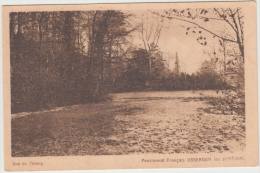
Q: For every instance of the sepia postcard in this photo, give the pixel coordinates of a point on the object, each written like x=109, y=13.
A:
x=130, y=85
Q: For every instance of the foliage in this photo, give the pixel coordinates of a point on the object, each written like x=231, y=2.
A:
x=136, y=76
x=60, y=58
x=231, y=41
x=63, y=58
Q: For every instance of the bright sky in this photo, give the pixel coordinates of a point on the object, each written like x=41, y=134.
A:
x=174, y=39
x=190, y=53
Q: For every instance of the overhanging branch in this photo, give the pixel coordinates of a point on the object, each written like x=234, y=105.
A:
x=199, y=26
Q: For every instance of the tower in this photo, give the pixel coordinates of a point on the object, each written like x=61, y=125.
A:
x=177, y=65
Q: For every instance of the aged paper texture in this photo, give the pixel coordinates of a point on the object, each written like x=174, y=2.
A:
x=131, y=85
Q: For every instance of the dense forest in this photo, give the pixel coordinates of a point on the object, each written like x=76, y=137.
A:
x=64, y=58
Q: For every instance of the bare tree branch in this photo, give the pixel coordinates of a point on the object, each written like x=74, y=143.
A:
x=241, y=28
x=142, y=35
x=199, y=26
x=225, y=19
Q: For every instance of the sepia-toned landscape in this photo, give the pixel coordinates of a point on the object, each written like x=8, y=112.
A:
x=116, y=82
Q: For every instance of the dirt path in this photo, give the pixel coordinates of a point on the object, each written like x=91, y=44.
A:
x=142, y=122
